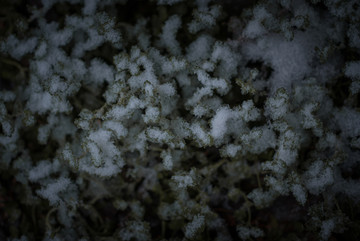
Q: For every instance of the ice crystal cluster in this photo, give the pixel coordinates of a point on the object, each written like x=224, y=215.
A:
x=180, y=120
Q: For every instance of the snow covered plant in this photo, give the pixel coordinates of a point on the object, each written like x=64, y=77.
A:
x=180, y=120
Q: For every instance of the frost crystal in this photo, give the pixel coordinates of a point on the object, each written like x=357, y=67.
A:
x=179, y=119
